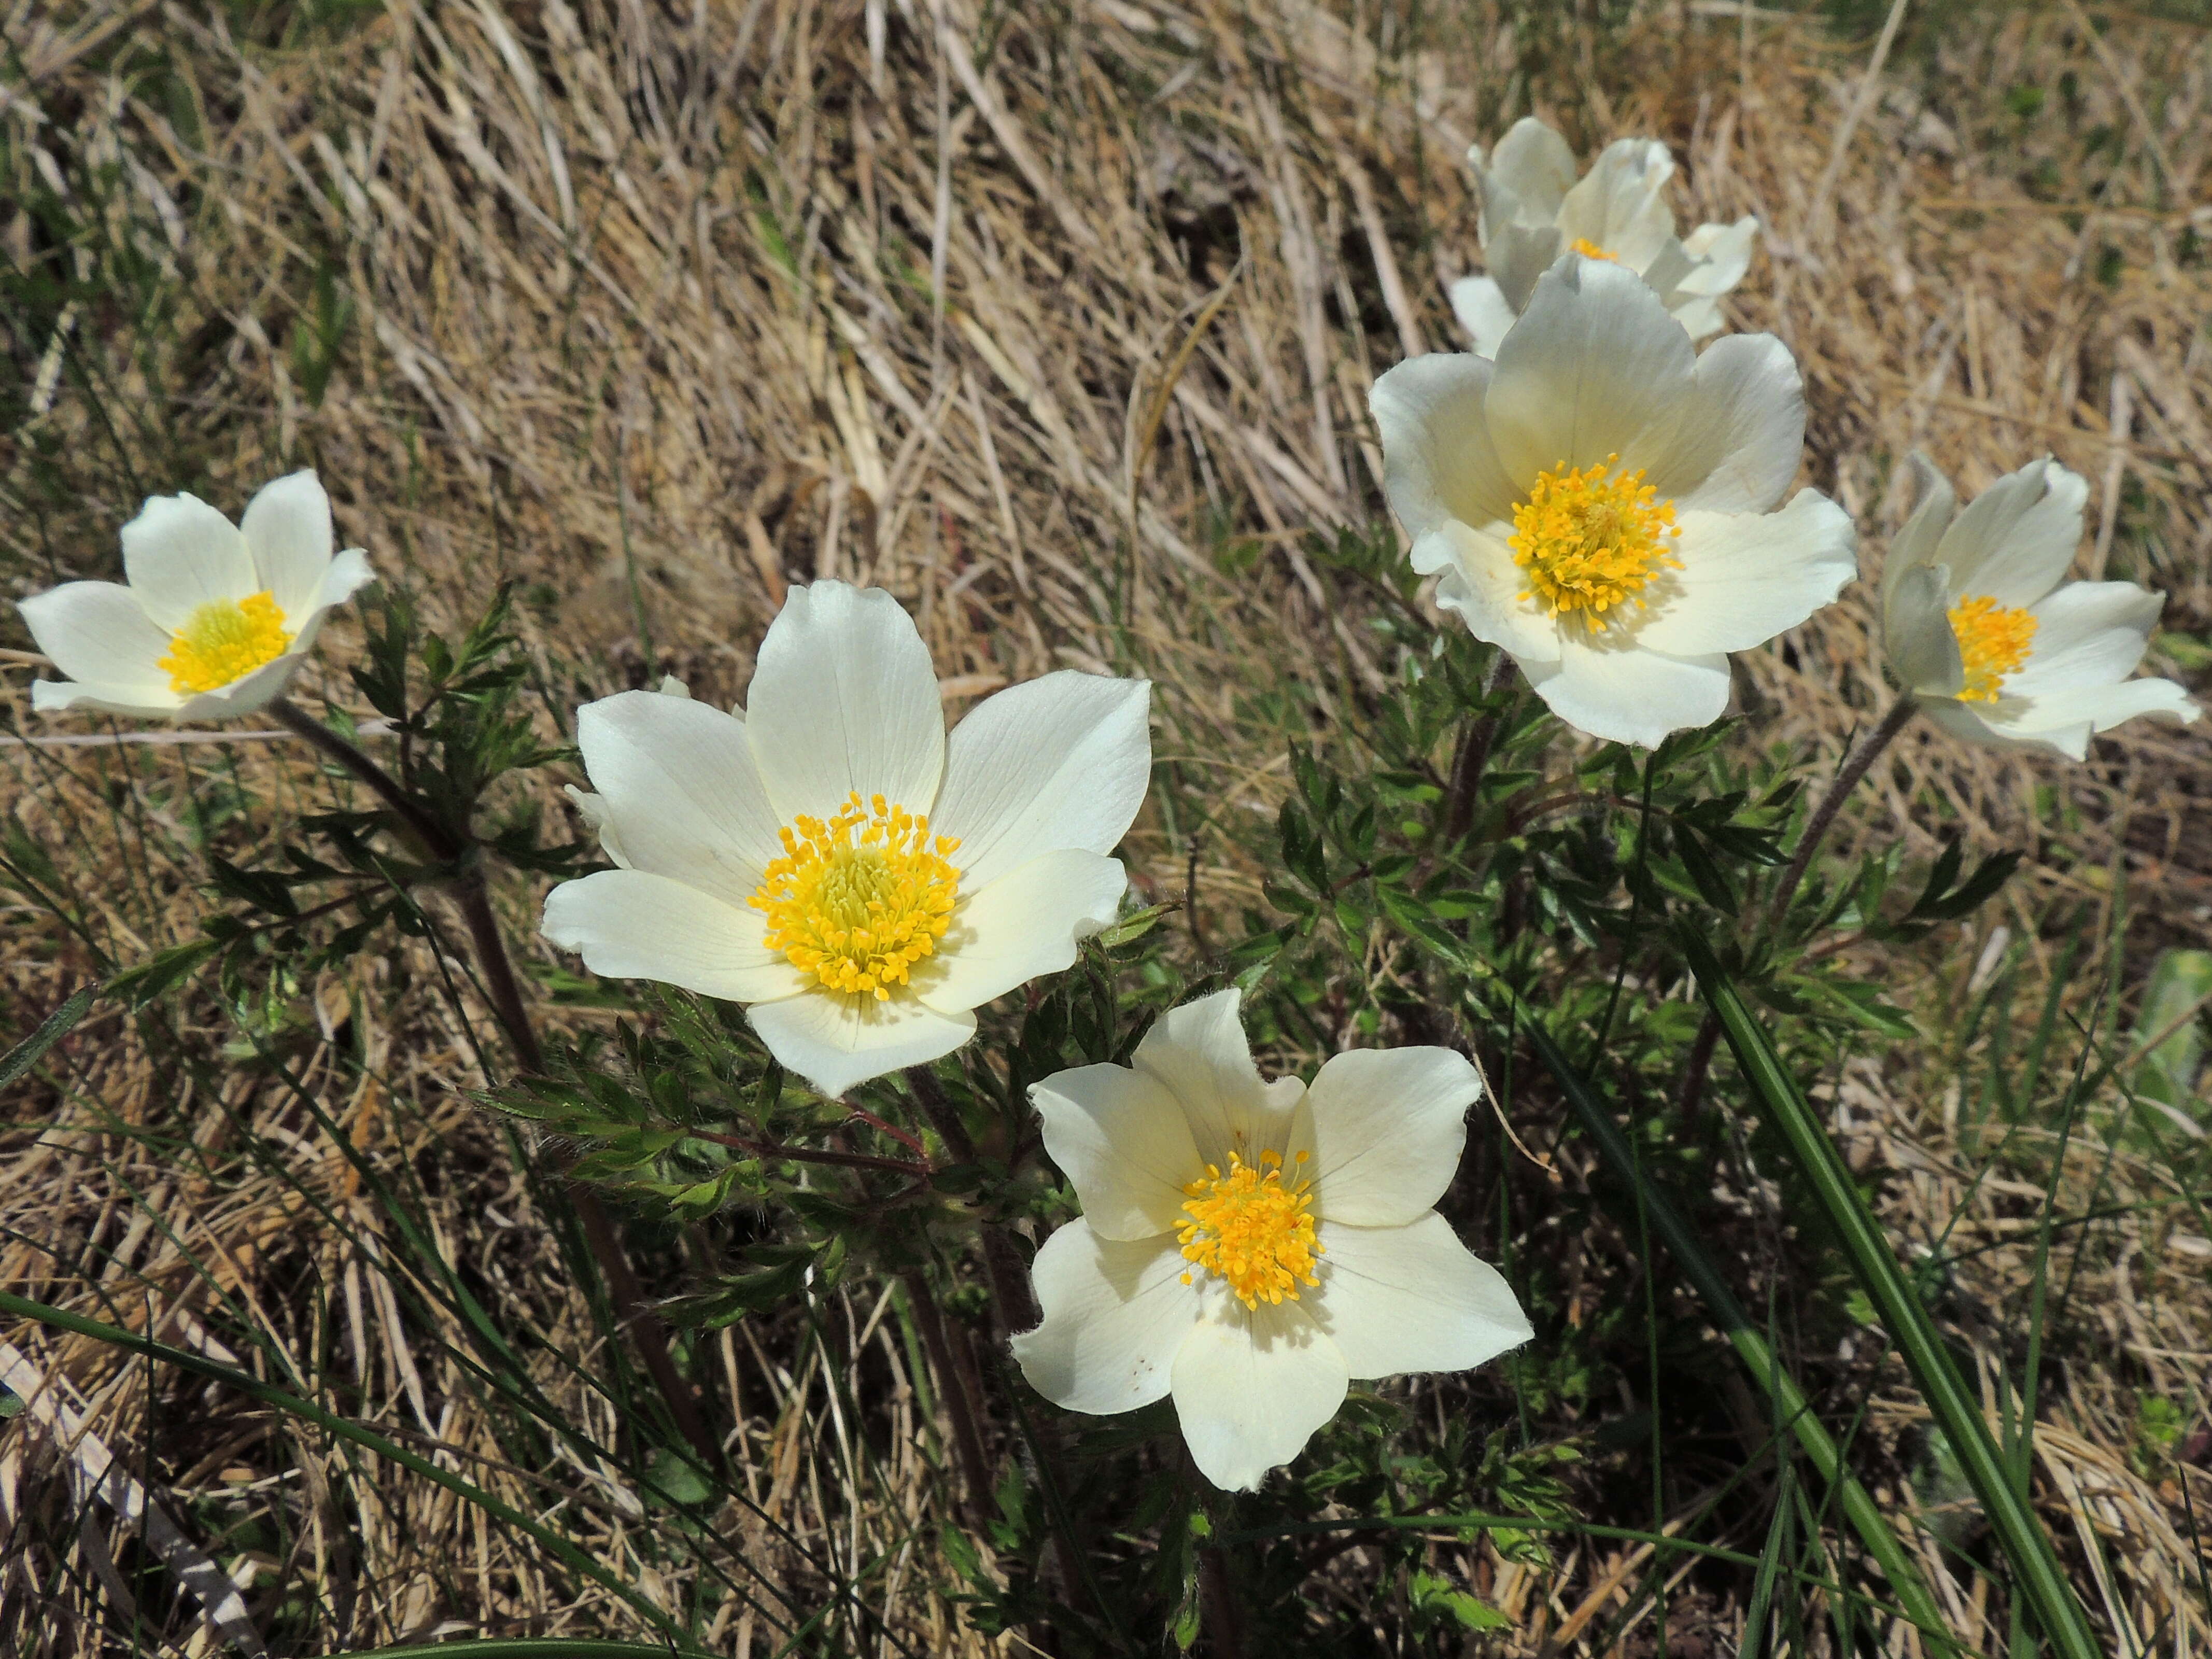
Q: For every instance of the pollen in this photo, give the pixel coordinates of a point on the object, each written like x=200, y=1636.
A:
x=857, y=900
x=223, y=641
x=1252, y=1229
x=1592, y=541
x=1590, y=250
x=1993, y=642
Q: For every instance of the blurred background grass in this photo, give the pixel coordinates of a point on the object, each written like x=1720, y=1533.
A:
x=653, y=310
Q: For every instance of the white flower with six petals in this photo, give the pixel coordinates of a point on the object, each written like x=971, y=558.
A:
x=829, y=859
x=1533, y=211
x=1250, y=1248
x=214, y=618
x=1601, y=500
x=1980, y=625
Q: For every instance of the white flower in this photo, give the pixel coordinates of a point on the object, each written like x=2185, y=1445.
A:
x=1601, y=500
x=828, y=858
x=1250, y=1248
x=216, y=618
x=1980, y=625
x=1533, y=211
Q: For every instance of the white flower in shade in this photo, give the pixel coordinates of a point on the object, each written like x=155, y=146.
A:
x=1533, y=212
x=1601, y=502
x=829, y=858
x=213, y=619
x=1250, y=1248
x=1981, y=625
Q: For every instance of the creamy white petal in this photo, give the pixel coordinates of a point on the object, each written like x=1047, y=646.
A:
x=1386, y=1127
x=592, y=809
x=1437, y=462
x=1481, y=583
x=1518, y=255
x=1025, y=924
x=1722, y=253
x=844, y=700
x=1413, y=1298
x=1746, y=577
x=680, y=786
x=1628, y=695
x=1115, y=1315
x=1934, y=502
x=1593, y=364
x=1053, y=763
x=287, y=528
x=1921, y=646
x=180, y=554
x=98, y=631
x=1620, y=205
x=1971, y=723
x=1200, y=1054
x=1250, y=1390
x=1734, y=443
x=1479, y=305
x=137, y=702
x=2087, y=634
x=631, y=924
x=835, y=1042
x=1698, y=315
x=2103, y=707
x=248, y=695
x=1121, y=1140
x=1534, y=164
x=344, y=576
x=2015, y=540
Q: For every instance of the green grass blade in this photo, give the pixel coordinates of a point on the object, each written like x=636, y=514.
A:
x=511, y=1647
x=2036, y=1567
x=57, y=1025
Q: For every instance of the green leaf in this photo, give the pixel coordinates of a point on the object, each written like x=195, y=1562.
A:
x=141, y=985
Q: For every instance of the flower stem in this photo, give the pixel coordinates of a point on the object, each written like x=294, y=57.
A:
x=1472, y=755
x=953, y=1386
x=436, y=839
x=1002, y=1263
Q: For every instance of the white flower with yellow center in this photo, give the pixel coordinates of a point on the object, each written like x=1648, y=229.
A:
x=214, y=618
x=1981, y=625
x=1250, y=1247
x=1601, y=500
x=1533, y=212
x=829, y=859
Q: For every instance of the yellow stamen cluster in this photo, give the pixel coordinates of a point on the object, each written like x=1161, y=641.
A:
x=1251, y=1230
x=1590, y=250
x=857, y=901
x=1993, y=642
x=1590, y=541
x=222, y=641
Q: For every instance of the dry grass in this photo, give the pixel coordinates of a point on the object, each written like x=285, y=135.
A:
x=654, y=310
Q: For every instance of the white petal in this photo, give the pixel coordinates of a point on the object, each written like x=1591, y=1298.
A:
x=1025, y=924
x=1722, y=253
x=1533, y=166
x=287, y=528
x=1481, y=583
x=1746, y=577
x=1734, y=444
x=1518, y=255
x=98, y=632
x=344, y=576
x=844, y=702
x=1385, y=1126
x=1921, y=646
x=837, y=1042
x=2087, y=634
x=1914, y=545
x=247, y=695
x=592, y=809
x=1437, y=462
x=1199, y=1052
x=1123, y=1140
x=1115, y=1313
x=1971, y=723
x=1054, y=763
x=1697, y=315
x=180, y=554
x=2015, y=540
x=1620, y=205
x=1250, y=1390
x=1594, y=363
x=135, y=703
x=1413, y=1298
x=1628, y=695
x=1479, y=305
x=629, y=924
x=2103, y=707
x=680, y=787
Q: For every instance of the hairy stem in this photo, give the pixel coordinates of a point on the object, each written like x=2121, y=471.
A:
x=1472, y=755
x=953, y=1384
x=438, y=840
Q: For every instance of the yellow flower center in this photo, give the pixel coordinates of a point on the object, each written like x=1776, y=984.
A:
x=1253, y=1231
x=1590, y=541
x=857, y=900
x=222, y=641
x=1590, y=250
x=1993, y=642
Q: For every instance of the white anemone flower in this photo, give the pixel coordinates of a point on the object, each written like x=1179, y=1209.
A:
x=1981, y=625
x=1533, y=212
x=829, y=859
x=1250, y=1248
x=214, y=618
x=1601, y=502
